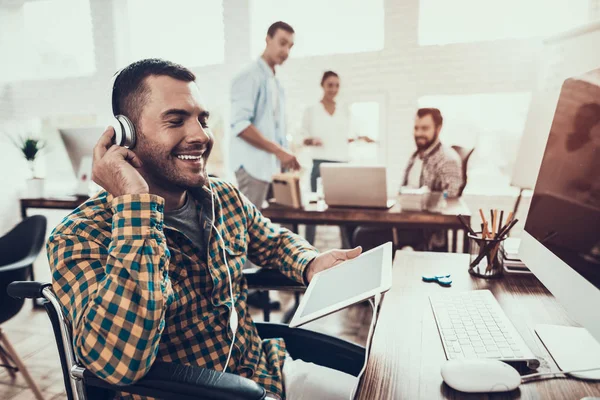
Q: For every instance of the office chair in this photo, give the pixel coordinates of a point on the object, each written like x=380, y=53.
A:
x=172, y=381
x=464, y=155
x=265, y=279
x=18, y=250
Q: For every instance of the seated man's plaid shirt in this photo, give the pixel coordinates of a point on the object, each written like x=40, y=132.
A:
x=136, y=291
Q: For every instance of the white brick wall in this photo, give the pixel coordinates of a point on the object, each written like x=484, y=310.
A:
x=398, y=75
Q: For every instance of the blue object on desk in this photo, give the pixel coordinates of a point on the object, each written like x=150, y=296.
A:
x=443, y=280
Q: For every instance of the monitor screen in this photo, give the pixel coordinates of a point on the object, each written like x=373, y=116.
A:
x=80, y=142
x=565, y=209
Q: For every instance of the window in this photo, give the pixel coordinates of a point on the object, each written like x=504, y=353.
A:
x=365, y=122
x=492, y=123
x=459, y=21
x=54, y=40
x=189, y=32
x=322, y=27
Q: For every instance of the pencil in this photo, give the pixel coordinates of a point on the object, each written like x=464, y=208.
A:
x=467, y=226
x=508, y=221
x=494, y=221
x=501, y=218
x=509, y=218
x=489, y=245
x=508, y=228
x=482, y=216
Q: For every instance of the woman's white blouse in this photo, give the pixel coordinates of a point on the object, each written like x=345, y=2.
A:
x=333, y=130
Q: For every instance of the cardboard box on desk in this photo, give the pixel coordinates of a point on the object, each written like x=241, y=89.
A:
x=286, y=189
x=414, y=199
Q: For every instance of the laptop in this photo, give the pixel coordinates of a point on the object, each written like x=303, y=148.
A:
x=346, y=185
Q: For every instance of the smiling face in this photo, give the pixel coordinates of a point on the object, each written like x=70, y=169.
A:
x=426, y=132
x=331, y=87
x=174, y=139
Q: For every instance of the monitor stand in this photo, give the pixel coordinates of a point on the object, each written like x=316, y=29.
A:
x=572, y=349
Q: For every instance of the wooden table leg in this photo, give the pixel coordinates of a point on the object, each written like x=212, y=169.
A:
x=466, y=242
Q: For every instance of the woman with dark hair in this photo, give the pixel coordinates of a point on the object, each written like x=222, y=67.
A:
x=327, y=130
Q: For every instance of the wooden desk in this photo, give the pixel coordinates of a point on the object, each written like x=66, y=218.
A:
x=63, y=203
x=66, y=203
x=407, y=352
x=320, y=214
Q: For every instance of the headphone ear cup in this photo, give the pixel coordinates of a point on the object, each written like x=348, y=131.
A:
x=128, y=132
x=118, y=128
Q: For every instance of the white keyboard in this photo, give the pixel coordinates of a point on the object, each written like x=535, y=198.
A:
x=473, y=325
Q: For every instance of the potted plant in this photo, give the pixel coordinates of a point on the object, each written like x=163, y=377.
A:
x=30, y=147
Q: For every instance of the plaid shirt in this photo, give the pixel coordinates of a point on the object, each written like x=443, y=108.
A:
x=442, y=170
x=136, y=291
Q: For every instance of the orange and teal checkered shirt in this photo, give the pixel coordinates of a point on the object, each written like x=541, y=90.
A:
x=136, y=291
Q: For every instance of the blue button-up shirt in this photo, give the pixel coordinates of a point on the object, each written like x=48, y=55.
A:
x=253, y=103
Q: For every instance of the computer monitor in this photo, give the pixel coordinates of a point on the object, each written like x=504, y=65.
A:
x=561, y=241
x=80, y=143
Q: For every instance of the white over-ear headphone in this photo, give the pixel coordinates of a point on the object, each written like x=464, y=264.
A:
x=124, y=131
x=125, y=135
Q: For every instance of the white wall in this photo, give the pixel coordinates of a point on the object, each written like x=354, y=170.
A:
x=397, y=76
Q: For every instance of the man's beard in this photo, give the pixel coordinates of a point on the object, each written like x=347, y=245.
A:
x=160, y=168
x=426, y=145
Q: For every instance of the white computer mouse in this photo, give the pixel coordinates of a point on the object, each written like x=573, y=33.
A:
x=480, y=376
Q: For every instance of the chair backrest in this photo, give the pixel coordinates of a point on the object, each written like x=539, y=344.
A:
x=464, y=154
x=22, y=244
x=26, y=239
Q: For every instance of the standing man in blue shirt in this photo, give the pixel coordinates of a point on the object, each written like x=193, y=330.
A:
x=259, y=144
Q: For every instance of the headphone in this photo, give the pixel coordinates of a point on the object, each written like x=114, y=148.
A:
x=125, y=136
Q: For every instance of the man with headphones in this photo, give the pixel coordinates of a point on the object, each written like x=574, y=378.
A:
x=150, y=268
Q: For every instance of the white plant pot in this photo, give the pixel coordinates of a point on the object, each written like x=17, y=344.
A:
x=35, y=188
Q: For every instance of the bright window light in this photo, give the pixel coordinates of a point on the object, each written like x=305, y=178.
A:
x=322, y=27
x=462, y=21
x=365, y=122
x=189, y=32
x=492, y=123
x=58, y=40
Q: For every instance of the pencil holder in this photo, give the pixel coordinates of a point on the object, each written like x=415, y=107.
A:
x=485, y=260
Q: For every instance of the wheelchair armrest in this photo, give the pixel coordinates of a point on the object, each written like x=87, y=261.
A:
x=315, y=347
x=271, y=279
x=181, y=382
x=26, y=289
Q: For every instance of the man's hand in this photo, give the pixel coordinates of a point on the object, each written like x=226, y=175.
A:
x=287, y=159
x=313, y=142
x=115, y=167
x=330, y=259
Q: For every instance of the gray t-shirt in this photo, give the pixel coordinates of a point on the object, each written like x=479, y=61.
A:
x=187, y=220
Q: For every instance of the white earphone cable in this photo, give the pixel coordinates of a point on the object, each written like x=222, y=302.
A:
x=551, y=375
x=233, y=317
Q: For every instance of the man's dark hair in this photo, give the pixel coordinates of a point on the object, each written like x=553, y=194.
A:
x=279, y=25
x=436, y=115
x=130, y=93
x=328, y=74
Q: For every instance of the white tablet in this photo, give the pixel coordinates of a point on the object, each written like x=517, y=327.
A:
x=345, y=284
